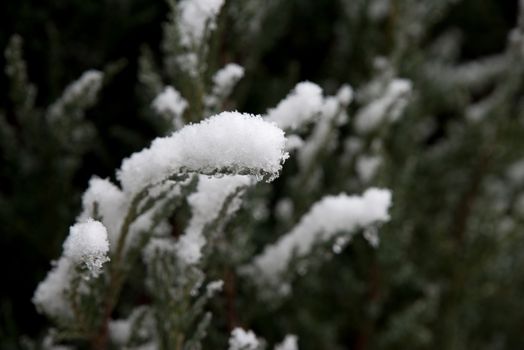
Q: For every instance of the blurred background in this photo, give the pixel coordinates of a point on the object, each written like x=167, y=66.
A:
x=330, y=42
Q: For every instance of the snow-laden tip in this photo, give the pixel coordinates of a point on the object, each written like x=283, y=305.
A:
x=329, y=216
x=290, y=342
x=300, y=107
x=388, y=107
x=194, y=16
x=107, y=202
x=227, y=143
x=171, y=105
x=87, y=244
x=243, y=340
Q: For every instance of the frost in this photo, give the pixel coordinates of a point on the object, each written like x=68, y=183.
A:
x=389, y=106
x=243, y=340
x=206, y=204
x=194, y=17
x=170, y=104
x=329, y=216
x=87, y=244
x=229, y=142
x=300, y=107
x=290, y=342
x=49, y=296
x=105, y=201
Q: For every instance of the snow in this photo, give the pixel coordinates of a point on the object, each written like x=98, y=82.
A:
x=329, y=216
x=156, y=245
x=189, y=63
x=214, y=287
x=206, y=204
x=86, y=88
x=389, y=106
x=120, y=331
x=111, y=204
x=284, y=209
x=324, y=136
x=223, y=83
x=345, y=95
x=230, y=142
x=515, y=172
x=194, y=17
x=227, y=77
x=294, y=142
x=87, y=243
x=367, y=166
x=170, y=104
x=49, y=297
x=300, y=107
x=243, y=340
x=290, y=342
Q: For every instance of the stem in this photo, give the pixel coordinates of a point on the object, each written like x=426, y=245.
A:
x=230, y=292
x=467, y=201
x=100, y=338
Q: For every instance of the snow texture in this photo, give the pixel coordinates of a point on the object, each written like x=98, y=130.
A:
x=367, y=166
x=329, y=216
x=223, y=83
x=243, y=340
x=290, y=342
x=105, y=201
x=332, y=114
x=194, y=17
x=300, y=107
x=229, y=142
x=82, y=91
x=49, y=297
x=170, y=104
x=345, y=95
x=87, y=244
x=294, y=142
x=389, y=106
x=228, y=76
x=206, y=204
x=214, y=287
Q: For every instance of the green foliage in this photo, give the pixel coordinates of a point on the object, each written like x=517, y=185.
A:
x=445, y=275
